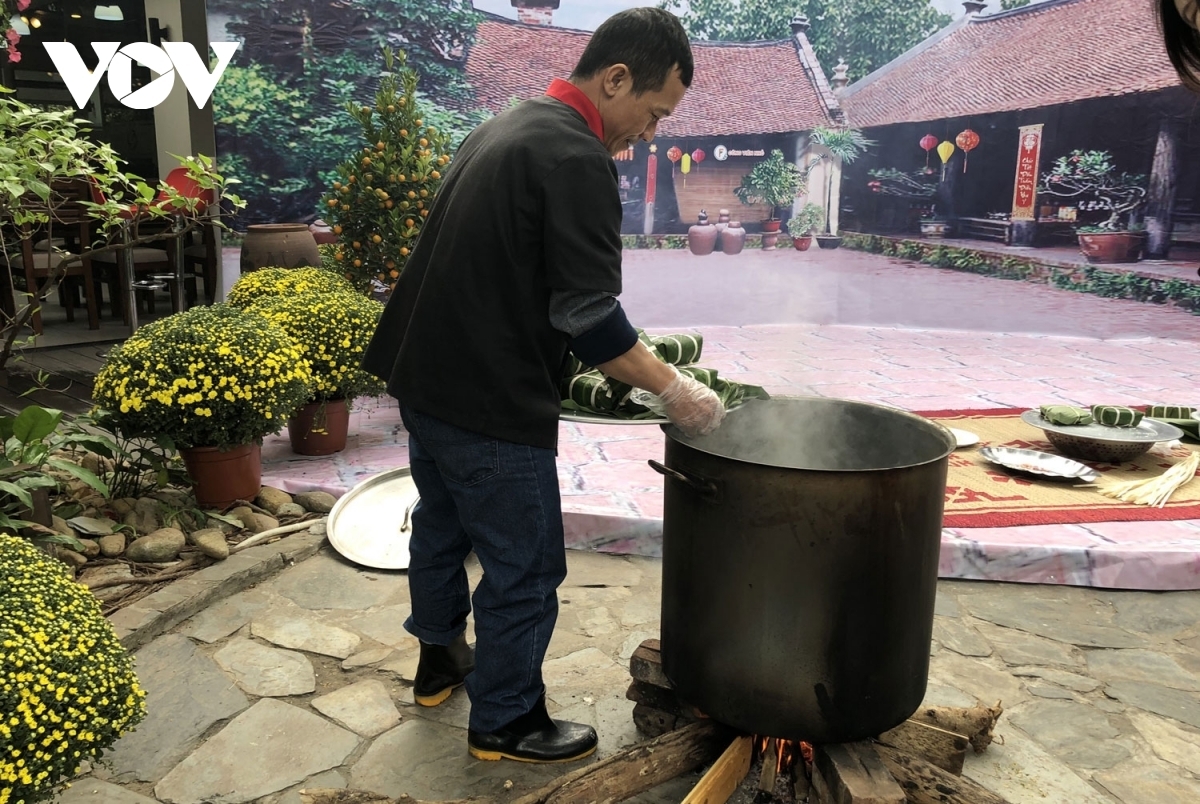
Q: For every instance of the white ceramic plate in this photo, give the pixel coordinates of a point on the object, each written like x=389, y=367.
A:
x=963, y=438
x=371, y=523
x=1040, y=463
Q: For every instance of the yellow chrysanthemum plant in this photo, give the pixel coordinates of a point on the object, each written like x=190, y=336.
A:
x=332, y=330
x=213, y=376
x=272, y=282
x=67, y=686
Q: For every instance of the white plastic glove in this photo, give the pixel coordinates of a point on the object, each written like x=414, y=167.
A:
x=691, y=406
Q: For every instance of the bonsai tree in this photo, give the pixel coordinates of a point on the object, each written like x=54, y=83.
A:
x=1091, y=178
x=843, y=144
x=807, y=220
x=774, y=181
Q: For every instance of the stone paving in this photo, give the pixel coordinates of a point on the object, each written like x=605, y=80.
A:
x=305, y=680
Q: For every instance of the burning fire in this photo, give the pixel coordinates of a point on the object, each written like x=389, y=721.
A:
x=785, y=751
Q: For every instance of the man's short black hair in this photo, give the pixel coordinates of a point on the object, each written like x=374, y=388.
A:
x=649, y=41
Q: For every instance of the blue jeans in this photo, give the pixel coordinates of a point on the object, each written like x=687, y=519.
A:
x=500, y=499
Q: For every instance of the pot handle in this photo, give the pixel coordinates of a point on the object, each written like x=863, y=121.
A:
x=705, y=487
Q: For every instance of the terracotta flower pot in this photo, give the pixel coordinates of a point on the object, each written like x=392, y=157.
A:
x=220, y=477
x=802, y=243
x=279, y=245
x=1111, y=247
x=771, y=226
x=319, y=428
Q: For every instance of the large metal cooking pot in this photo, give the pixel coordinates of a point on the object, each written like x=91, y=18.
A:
x=800, y=563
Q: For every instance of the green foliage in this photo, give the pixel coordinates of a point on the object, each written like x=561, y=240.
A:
x=31, y=442
x=385, y=190
x=774, y=181
x=807, y=220
x=68, y=689
x=890, y=181
x=867, y=34
x=843, y=144
x=131, y=466
x=1008, y=5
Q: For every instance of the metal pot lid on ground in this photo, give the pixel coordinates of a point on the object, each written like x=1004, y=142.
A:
x=371, y=524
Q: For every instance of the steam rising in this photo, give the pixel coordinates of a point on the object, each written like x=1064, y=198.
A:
x=829, y=435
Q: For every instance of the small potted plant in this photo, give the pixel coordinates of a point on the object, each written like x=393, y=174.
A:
x=774, y=182
x=215, y=380
x=842, y=145
x=332, y=330
x=272, y=282
x=1091, y=181
x=804, y=223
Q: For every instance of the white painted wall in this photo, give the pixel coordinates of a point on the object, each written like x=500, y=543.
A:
x=172, y=121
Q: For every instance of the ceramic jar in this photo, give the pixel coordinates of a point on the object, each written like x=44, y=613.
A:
x=702, y=238
x=733, y=239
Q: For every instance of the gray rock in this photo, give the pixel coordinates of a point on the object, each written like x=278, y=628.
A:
x=1050, y=691
x=69, y=557
x=219, y=621
x=318, y=502
x=91, y=548
x=436, y=765
x=161, y=545
x=1140, y=665
x=386, y=626
x=1157, y=613
x=122, y=506
x=112, y=546
x=1072, y=681
x=1182, y=706
x=273, y=499
x=1073, y=623
x=976, y=677
x=257, y=523
x=938, y=694
x=318, y=528
x=226, y=771
x=365, y=708
x=579, y=675
x=330, y=780
x=1172, y=743
x=94, y=576
x=61, y=527
x=268, y=672
x=326, y=582
x=243, y=514
x=95, y=791
x=290, y=509
x=1138, y=782
x=186, y=693
x=960, y=637
x=1019, y=648
x=403, y=665
x=946, y=605
x=1021, y=772
x=302, y=631
x=211, y=542
x=1074, y=732
x=93, y=526
x=365, y=658
x=147, y=505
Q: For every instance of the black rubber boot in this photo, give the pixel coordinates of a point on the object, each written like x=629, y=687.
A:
x=440, y=669
x=535, y=737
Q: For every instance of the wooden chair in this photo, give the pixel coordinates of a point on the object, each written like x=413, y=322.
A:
x=72, y=222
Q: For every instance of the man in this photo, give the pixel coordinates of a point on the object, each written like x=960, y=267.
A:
x=519, y=261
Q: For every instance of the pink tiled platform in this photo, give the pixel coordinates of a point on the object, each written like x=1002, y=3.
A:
x=940, y=341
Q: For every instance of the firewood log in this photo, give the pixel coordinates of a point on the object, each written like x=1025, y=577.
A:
x=975, y=723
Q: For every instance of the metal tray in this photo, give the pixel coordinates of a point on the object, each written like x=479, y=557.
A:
x=1148, y=430
x=596, y=418
x=1040, y=463
x=371, y=523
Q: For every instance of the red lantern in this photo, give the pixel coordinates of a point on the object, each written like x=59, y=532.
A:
x=674, y=154
x=967, y=140
x=928, y=142
x=697, y=156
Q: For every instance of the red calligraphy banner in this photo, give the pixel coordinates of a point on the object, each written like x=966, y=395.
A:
x=1029, y=156
x=651, y=177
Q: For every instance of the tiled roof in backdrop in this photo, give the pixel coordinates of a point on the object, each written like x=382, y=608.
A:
x=753, y=88
x=1040, y=55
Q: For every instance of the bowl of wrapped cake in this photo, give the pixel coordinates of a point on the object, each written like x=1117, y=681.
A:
x=1106, y=433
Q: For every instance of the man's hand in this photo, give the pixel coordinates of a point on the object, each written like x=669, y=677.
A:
x=692, y=406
